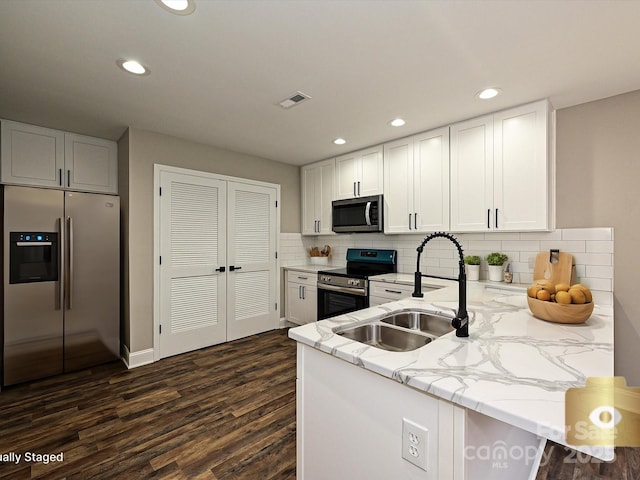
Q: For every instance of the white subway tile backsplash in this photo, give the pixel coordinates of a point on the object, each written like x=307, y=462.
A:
x=599, y=246
x=555, y=235
x=520, y=245
x=503, y=236
x=485, y=245
x=571, y=246
x=587, y=234
x=599, y=271
x=605, y=284
x=594, y=258
x=592, y=249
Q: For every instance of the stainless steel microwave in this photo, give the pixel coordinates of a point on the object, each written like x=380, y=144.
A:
x=362, y=214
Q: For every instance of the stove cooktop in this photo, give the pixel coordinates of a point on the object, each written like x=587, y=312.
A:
x=364, y=263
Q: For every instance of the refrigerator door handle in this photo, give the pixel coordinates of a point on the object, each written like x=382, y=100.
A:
x=70, y=272
x=61, y=282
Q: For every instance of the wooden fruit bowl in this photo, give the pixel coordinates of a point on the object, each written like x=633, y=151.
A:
x=560, y=312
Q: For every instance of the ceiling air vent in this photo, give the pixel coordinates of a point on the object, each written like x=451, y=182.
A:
x=294, y=99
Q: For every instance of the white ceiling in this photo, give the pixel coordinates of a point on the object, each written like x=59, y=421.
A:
x=218, y=75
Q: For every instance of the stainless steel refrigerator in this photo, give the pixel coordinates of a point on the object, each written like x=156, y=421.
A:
x=61, y=281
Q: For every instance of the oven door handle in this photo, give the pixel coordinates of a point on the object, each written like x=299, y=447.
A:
x=367, y=213
x=353, y=291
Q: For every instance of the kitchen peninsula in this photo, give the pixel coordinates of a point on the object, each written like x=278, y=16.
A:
x=487, y=403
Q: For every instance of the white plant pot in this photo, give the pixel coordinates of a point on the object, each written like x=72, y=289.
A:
x=496, y=273
x=473, y=272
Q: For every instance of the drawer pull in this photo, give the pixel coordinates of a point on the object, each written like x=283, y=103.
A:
x=393, y=291
x=303, y=278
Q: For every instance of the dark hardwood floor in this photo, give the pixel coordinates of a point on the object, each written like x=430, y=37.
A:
x=224, y=412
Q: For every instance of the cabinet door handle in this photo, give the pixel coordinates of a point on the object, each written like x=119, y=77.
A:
x=221, y=269
x=354, y=190
x=409, y=221
x=232, y=268
x=302, y=292
x=415, y=221
x=358, y=188
x=318, y=226
x=496, y=218
x=488, y=218
x=60, y=179
x=68, y=178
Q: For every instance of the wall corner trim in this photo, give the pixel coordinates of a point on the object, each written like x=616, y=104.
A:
x=137, y=359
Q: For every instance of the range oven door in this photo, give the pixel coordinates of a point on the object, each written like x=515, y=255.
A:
x=334, y=300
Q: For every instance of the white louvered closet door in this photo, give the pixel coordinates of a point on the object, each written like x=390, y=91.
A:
x=251, y=255
x=192, y=247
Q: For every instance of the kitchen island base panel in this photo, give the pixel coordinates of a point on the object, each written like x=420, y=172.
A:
x=349, y=425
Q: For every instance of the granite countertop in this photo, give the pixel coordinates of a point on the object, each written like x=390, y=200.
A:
x=513, y=367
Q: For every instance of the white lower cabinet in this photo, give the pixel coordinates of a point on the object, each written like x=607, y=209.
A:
x=350, y=425
x=301, y=297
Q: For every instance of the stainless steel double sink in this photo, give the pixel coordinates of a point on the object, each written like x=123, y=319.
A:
x=400, y=331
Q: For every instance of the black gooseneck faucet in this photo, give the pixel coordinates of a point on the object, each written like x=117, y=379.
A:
x=461, y=320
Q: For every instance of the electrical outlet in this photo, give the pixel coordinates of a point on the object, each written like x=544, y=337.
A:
x=415, y=443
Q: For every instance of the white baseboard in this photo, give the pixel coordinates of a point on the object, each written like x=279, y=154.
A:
x=137, y=359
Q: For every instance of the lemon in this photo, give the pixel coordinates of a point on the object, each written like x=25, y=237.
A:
x=543, y=295
x=577, y=295
x=587, y=293
x=546, y=284
x=533, y=290
x=563, y=297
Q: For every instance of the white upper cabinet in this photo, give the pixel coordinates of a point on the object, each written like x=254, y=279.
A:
x=359, y=174
x=43, y=157
x=521, y=168
x=32, y=155
x=91, y=164
x=500, y=171
x=416, y=183
x=472, y=174
x=318, y=180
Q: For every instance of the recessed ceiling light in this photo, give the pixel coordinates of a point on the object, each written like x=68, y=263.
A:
x=488, y=93
x=339, y=141
x=397, y=122
x=133, y=66
x=179, y=7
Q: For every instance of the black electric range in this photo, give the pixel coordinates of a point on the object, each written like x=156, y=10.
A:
x=345, y=290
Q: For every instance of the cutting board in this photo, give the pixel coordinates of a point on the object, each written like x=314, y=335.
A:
x=560, y=270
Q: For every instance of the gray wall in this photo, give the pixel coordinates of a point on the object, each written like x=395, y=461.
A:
x=597, y=185
x=136, y=188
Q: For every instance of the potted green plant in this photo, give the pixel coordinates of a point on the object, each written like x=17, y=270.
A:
x=496, y=262
x=472, y=263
